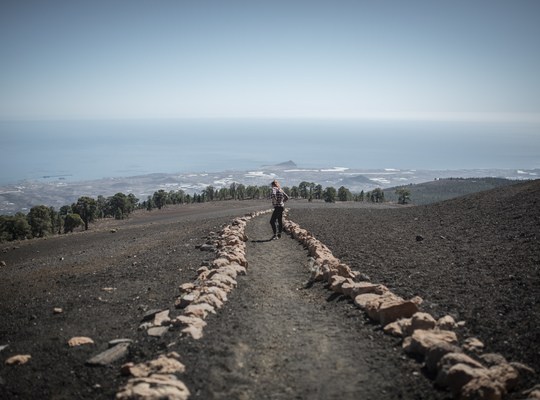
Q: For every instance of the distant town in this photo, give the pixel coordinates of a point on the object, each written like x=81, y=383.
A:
x=59, y=190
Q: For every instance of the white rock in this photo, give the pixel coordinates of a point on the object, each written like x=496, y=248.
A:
x=19, y=359
x=157, y=331
x=446, y=323
x=474, y=345
x=79, y=341
x=161, y=318
x=421, y=341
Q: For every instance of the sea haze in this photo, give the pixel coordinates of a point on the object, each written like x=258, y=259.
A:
x=85, y=150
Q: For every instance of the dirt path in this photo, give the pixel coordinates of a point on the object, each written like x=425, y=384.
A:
x=277, y=339
x=273, y=339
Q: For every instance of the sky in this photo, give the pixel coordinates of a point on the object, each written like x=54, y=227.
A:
x=338, y=59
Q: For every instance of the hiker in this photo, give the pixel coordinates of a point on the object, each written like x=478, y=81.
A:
x=279, y=197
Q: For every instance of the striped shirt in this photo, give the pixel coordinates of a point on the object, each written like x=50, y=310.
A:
x=279, y=197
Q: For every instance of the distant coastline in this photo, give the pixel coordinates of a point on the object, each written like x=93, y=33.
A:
x=57, y=192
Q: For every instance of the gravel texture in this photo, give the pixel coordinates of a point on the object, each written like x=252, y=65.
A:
x=476, y=258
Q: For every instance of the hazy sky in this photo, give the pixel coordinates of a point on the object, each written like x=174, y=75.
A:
x=324, y=59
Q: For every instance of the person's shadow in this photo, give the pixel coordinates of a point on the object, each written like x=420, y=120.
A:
x=261, y=241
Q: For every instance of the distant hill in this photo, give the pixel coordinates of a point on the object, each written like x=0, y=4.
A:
x=448, y=188
x=352, y=181
x=283, y=165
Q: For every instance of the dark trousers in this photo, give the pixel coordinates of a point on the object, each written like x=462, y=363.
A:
x=277, y=216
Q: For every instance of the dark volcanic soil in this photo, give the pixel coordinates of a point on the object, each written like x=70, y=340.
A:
x=476, y=257
x=274, y=339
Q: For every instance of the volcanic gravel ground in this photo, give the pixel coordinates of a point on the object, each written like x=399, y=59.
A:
x=144, y=261
x=278, y=338
x=475, y=257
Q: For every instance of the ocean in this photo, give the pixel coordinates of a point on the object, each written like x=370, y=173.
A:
x=86, y=150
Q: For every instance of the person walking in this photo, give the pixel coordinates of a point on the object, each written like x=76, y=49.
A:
x=279, y=197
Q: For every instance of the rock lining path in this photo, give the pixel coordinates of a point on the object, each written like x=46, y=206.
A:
x=283, y=340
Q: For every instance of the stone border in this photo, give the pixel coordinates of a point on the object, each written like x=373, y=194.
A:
x=156, y=378
x=468, y=376
x=465, y=370
x=209, y=291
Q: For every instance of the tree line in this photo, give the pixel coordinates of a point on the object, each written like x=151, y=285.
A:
x=42, y=220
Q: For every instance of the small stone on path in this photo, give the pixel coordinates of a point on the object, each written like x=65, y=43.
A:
x=109, y=356
x=157, y=331
x=19, y=359
x=79, y=341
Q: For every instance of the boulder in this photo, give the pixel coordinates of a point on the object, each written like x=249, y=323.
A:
x=207, y=247
x=397, y=328
x=421, y=341
x=362, y=300
x=150, y=315
x=211, y=299
x=336, y=282
x=533, y=393
x=473, y=345
x=345, y=270
x=438, y=351
x=195, y=332
x=164, y=364
x=184, y=320
x=232, y=270
x=79, y=341
x=157, y=331
x=505, y=374
x=315, y=270
x=200, y=310
x=214, y=283
x=218, y=292
x=325, y=256
x=406, y=326
x=491, y=359
x=457, y=369
x=154, y=387
x=523, y=369
x=161, y=318
x=389, y=308
x=220, y=262
x=482, y=388
x=19, y=359
x=460, y=375
x=223, y=279
x=446, y=323
x=234, y=255
x=357, y=288
x=186, y=299
x=110, y=355
x=422, y=320
x=189, y=287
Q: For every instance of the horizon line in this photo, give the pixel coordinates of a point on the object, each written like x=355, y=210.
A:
x=486, y=117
